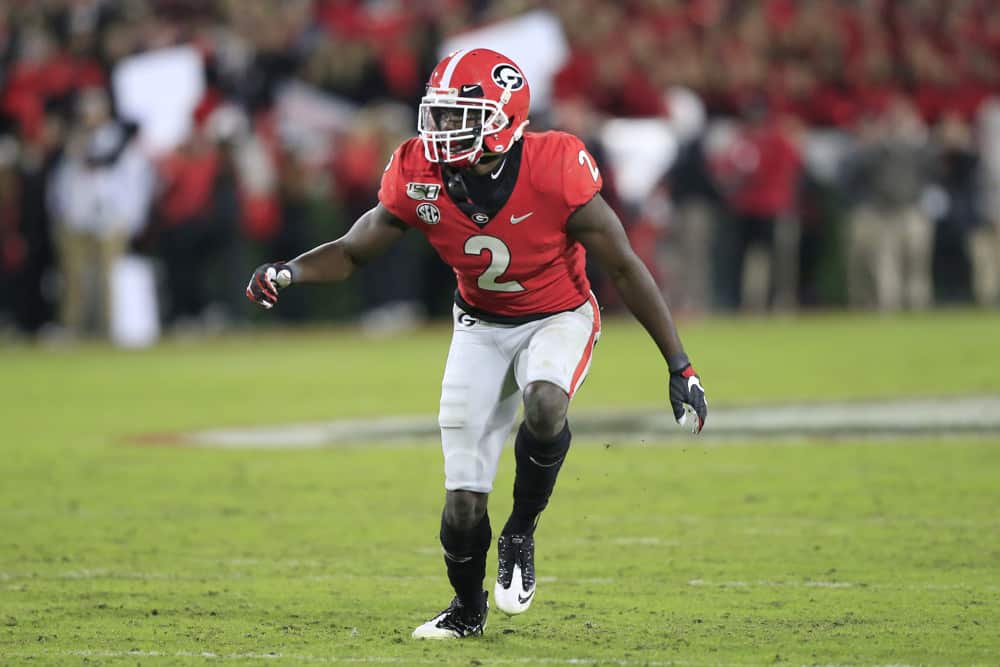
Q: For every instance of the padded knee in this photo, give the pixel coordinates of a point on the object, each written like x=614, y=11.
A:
x=463, y=510
x=545, y=406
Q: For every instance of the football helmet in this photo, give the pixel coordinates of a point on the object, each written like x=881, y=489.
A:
x=476, y=102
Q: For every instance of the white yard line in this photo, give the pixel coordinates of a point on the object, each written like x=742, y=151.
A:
x=955, y=415
x=844, y=584
x=112, y=574
x=772, y=584
x=641, y=541
x=371, y=659
x=391, y=660
x=775, y=524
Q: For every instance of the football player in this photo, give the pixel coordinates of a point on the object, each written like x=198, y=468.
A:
x=514, y=213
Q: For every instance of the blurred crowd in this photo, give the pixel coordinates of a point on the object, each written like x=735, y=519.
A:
x=804, y=152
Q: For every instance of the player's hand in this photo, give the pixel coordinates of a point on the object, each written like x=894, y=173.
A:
x=265, y=282
x=687, y=398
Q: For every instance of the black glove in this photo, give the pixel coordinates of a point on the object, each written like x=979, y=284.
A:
x=687, y=397
x=265, y=282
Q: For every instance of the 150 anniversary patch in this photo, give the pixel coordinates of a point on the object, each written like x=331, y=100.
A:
x=423, y=191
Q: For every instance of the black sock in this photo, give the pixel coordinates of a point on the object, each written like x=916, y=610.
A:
x=465, y=558
x=538, y=465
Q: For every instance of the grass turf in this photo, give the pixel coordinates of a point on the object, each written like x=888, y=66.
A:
x=794, y=552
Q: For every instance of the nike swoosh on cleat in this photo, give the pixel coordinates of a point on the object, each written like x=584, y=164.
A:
x=514, y=219
x=524, y=598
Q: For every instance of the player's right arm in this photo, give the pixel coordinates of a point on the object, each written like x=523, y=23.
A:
x=369, y=237
x=334, y=261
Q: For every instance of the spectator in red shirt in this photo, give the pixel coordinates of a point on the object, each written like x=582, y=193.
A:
x=198, y=235
x=760, y=174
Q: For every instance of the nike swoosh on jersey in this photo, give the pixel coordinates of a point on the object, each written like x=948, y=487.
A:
x=514, y=219
x=496, y=174
x=524, y=598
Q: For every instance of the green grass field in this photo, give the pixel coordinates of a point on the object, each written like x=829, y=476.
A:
x=823, y=551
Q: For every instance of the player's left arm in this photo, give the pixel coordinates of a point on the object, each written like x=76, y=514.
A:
x=600, y=231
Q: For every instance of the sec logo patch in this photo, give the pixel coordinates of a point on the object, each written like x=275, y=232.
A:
x=429, y=213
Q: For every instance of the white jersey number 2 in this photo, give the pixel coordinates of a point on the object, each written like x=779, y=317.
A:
x=585, y=158
x=499, y=261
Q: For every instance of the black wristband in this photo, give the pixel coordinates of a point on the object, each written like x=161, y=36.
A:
x=678, y=362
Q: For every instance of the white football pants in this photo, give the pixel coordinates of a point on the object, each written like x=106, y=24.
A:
x=488, y=366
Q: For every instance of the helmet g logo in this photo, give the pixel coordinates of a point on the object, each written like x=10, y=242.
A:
x=507, y=76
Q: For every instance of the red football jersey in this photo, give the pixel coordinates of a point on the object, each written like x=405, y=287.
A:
x=522, y=262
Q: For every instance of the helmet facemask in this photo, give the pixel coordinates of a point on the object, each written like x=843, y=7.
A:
x=452, y=128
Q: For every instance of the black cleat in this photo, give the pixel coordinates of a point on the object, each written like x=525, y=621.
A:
x=455, y=622
x=515, y=587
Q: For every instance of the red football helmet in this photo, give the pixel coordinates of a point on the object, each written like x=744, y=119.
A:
x=476, y=102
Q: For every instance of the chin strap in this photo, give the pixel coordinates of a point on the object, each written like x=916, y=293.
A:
x=519, y=132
